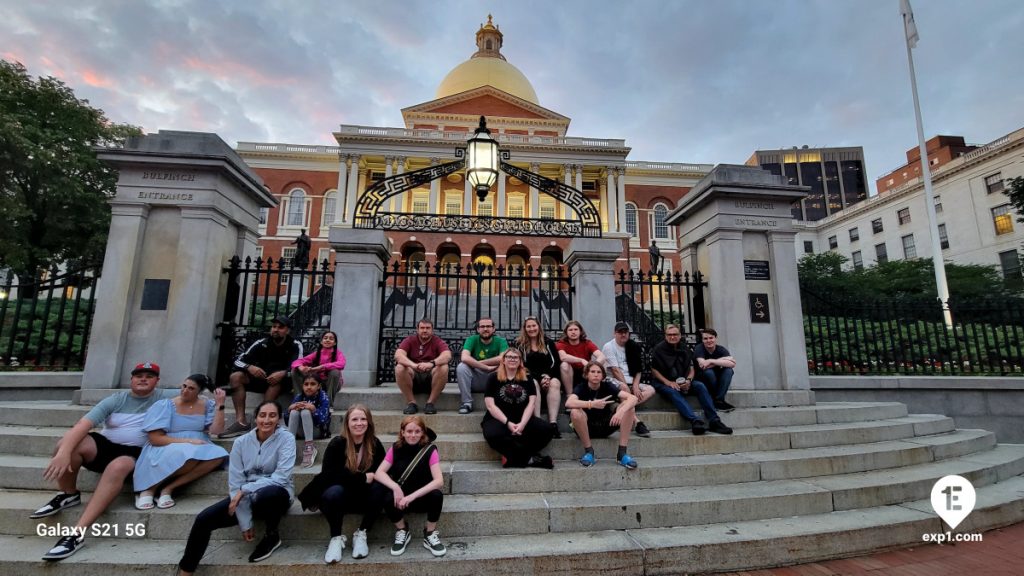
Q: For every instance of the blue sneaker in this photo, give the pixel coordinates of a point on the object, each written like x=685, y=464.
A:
x=627, y=462
x=588, y=460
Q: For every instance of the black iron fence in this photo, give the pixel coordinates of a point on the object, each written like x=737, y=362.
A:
x=910, y=337
x=454, y=296
x=259, y=291
x=649, y=302
x=44, y=323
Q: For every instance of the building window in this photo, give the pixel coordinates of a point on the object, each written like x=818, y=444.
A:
x=938, y=204
x=881, y=254
x=296, y=209
x=1002, y=219
x=903, y=215
x=547, y=208
x=453, y=203
x=421, y=201
x=516, y=206
x=858, y=260
x=808, y=247
x=833, y=242
x=943, y=237
x=631, y=226
x=1009, y=261
x=264, y=214
x=909, y=249
x=994, y=183
x=634, y=264
x=486, y=207
x=854, y=234
x=286, y=261
x=660, y=228
x=876, y=226
x=330, y=202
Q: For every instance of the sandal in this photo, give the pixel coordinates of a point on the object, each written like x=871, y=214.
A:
x=165, y=501
x=144, y=501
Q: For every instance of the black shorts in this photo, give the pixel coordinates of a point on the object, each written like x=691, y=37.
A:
x=599, y=424
x=107, y=452
x=421, y=382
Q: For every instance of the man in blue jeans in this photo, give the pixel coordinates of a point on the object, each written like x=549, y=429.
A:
x=672, y=368
x=714, y=364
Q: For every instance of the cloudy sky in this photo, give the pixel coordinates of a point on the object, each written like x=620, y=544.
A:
x=682, y=81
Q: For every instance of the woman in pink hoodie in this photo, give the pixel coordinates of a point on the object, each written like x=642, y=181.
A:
x=326, y=363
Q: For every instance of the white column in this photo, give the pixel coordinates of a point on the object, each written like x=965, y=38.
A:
x=620, y=201
x=342, y=198
x=562, y=208
x=388, y=171
x=435, y=188
x=610, y=197
x=579, y=176
x=467, y=198
x=398, y=201
x=501, y=194
x=534, y=194
x=350, y=200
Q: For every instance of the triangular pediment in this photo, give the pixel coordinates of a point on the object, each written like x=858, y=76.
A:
x=483, y=101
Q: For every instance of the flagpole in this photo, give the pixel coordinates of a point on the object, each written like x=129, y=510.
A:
x=929, y=202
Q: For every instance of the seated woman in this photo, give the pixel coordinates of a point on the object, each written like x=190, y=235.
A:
x=179, y=449
x=416, y=485
x=259, y=485
x=343, y=484
x=591, y=412
x=542, y=362
x=509, y=425
x=326, y=363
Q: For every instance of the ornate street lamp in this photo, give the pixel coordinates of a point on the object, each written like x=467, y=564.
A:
x=482, y=160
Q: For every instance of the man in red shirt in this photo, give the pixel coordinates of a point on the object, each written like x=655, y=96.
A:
x=421, y=365
x=575, y=350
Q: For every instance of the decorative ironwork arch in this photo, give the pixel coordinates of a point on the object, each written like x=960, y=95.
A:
x=368, y=213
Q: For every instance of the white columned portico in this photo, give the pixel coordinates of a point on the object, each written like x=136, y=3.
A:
x=534, y=194
x=342, y=199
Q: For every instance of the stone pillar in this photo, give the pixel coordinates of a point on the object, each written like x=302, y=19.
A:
x=185, y=204
x=360, y=257
x=591, y=262
x=738, y=233
x=351, y=196
x=534, y=194
x=500, y=200
x=342, y=199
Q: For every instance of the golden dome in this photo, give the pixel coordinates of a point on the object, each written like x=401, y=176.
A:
x=495, y=72
x=487, y=67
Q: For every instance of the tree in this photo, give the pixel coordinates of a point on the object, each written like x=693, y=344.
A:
x=1016, y=195
x=53, y=189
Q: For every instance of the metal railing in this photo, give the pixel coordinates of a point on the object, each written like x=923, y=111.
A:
x=44, y=324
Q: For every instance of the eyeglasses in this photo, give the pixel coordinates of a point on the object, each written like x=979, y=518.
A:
x=486, y=326
x=516, y=358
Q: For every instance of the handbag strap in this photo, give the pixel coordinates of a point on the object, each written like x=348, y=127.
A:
x=414, y=463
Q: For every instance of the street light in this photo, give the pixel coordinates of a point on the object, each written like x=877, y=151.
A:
x=482, y=160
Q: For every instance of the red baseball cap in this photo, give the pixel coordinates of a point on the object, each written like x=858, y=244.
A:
x=147, y=367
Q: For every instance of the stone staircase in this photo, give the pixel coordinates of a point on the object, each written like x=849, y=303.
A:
x=796, y=482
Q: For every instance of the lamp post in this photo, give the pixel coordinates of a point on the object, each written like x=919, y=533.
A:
x=482, y=160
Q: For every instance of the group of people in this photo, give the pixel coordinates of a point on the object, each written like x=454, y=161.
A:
x=162, y=437
x=534, y=376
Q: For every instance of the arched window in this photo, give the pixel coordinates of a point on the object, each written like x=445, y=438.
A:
x=296, y=215
x=631, y=226
x=660, y=227
x=330, y=203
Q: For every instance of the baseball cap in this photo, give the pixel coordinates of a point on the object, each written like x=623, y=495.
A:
x=283, y=321
x=622, y=327
x=146, y=367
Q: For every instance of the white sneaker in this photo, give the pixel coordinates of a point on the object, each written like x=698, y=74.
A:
x=359, y=548
x=334, y=549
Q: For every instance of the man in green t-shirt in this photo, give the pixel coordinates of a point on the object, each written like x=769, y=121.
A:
x=480, y=357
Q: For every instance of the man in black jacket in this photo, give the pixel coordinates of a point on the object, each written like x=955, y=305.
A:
x=264, y=367
x=624, y=360
x=672, y=369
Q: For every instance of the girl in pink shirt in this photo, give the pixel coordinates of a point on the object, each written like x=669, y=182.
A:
x=326, y=363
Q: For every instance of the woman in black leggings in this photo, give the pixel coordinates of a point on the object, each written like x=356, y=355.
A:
x=509, y=425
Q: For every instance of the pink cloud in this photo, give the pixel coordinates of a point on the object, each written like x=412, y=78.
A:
x=230, y=70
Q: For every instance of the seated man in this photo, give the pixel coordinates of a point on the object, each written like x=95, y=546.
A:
x=624, y=361
x=481, y=354
x=672, y=369
x=575, y=351
x=421, y=365
x=264, y=367
x=715, y=364
x=590, y=406
x=111, y=452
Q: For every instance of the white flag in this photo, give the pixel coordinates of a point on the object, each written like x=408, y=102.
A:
x=908, y=23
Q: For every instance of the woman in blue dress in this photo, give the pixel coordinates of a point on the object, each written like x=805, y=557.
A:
x=179, y=448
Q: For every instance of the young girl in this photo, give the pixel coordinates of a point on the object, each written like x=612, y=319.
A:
x=326, y=363
x=310, y=407
x=409, y=479
x=343, y=485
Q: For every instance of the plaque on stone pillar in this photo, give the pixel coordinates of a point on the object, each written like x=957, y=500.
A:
x=154, y=293
x=759, y=313
x=756, y=270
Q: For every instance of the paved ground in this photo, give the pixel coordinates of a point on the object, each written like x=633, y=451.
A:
x=999, y=554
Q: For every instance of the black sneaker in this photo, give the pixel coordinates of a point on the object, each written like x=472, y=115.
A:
x=465, y=409
x=402, y=538
x=432, y=542
x=642, y=430
x=266, y=547
x=541, y=461
x=723, y=406
x=719, y=427
x=697, y=427
x=65, y=547
x=555, y=432
x=429, y=408
x=412, y=408
x=236, y=429
x=58, y=503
